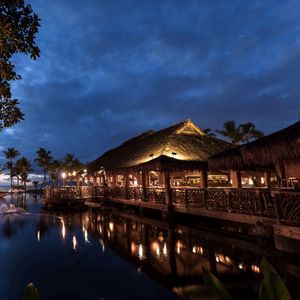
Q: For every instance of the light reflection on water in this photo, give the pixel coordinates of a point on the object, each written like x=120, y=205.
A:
x=173, y=255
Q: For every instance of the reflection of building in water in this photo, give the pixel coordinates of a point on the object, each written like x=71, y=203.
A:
x=171, y=254
x=175, y=255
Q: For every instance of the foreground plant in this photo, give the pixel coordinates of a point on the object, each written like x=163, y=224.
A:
x=272, y=286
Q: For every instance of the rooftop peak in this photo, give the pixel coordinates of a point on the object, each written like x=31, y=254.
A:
x=188, y=127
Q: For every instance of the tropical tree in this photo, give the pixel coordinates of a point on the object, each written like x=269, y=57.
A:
x=54, y=169
x=231, y=131
x=249, y=132
x=23, y=164
x=18, y=28
x=71, y=163
x=44, y=161
x=17, y=173
x=10, y=155
x=242, y=133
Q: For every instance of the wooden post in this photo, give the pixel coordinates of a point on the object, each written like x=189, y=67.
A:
x=277, y=208
x=168, y=192
x=172, y=182
x=280, y=170
x=261, y=205
x=115, y=180
x=144, y=185
x=204, y=181
x=160, y=178
x=267, y=179
x=126, y=183
x=236, y=179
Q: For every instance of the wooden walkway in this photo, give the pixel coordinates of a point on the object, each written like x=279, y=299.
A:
x=278, y=209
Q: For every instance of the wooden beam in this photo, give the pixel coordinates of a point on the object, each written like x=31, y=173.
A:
x=168, y=192
x=235, y=176
x=267, y=179
x=204, y=179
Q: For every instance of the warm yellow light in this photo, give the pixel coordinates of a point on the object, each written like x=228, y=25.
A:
x=178, y=246
x=84, y=170
x=197, y=249
x=38, y=236
x=102, y=245
x=86, y=239
x=255, y=269
x=133, y=247
x=158, y=251
x=63, y=175
x=228, y=260
x=141, y=252
x=165, y=250
x=74, y=173
x=63, y=230
x=161, y=237
x=155, y=245
x=74, y=241
x=111, y=226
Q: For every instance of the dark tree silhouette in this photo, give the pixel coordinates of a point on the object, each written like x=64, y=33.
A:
x=18, y=29
x=44, y=161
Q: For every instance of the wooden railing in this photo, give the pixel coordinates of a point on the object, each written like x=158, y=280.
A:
x=68, y=192
x=284, y=206
x=156, y=195
x=287, y=206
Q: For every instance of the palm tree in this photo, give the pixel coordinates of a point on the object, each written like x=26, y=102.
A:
x=209, y=132
x=44, y=160
x=71, y=163
x=232, y=132
x=17, y=173
x=25, y=167
x=54, y=170
x=249, y=132
x=10, y=155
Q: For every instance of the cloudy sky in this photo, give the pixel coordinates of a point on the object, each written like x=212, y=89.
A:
x=112, y=69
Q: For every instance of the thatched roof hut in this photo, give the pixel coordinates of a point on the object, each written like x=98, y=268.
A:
x=178, y=143
x=262, y=153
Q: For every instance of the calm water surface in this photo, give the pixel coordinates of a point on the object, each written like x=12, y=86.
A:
x=120, y=255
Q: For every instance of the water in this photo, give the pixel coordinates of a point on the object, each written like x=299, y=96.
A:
x=118, y=255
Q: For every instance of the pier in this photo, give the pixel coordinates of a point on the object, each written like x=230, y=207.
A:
x=269, y=212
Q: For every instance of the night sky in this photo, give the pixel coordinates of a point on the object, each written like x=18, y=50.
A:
x=112, y=69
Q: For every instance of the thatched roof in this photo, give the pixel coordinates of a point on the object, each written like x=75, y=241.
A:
x=183, y=141
x=264, y=152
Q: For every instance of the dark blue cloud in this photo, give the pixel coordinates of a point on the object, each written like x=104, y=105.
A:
x=112, y=69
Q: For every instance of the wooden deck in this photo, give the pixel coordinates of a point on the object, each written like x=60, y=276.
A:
x=279, y=210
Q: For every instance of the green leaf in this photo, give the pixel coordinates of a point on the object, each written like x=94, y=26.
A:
x=31, y=293
x=272, y=287
x=215, y=285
